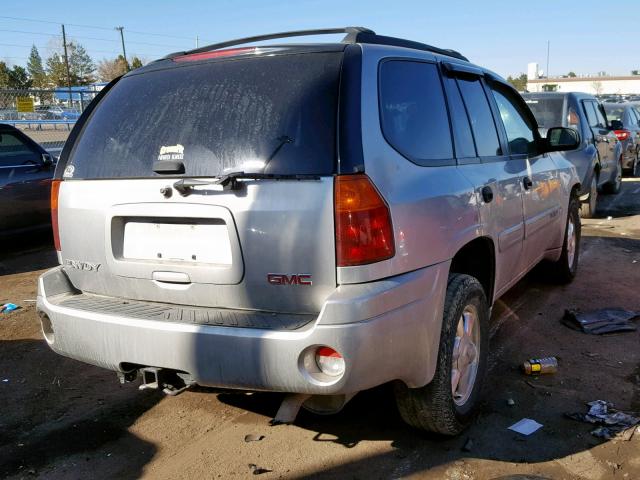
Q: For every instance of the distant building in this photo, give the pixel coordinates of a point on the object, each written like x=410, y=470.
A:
x=596, y=85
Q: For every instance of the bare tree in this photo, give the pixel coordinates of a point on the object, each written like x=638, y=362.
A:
x=108, y=69
x=597, y=87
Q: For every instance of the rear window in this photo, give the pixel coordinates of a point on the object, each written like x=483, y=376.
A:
x=273, y=114
x=548, y=111
x=614, y=113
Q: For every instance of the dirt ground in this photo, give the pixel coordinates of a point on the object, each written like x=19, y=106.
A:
x=63, y=419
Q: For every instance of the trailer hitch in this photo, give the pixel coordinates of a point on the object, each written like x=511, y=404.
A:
x=170, y=382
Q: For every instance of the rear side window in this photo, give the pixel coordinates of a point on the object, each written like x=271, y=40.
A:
x=516, y=124
x=482, y=124
x=413, y=113
x=272, y=114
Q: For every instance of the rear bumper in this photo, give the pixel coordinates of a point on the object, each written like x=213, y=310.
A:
x=385, y=330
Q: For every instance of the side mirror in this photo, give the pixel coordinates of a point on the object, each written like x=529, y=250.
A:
x=560, y=139
x=47, y=160
x=616, y=125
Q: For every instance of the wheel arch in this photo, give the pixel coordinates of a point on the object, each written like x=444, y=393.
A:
x=478, y=259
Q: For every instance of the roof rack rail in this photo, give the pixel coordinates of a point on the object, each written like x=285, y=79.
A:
x=353, y=35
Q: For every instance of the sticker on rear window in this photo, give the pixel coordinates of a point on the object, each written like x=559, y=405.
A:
x=171, y=152
x=68, y=171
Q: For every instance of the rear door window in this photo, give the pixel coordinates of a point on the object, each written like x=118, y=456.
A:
x=592, y=118
x=602, y=120
x=272, y=114
x=482, y=124
x=413, y=113
x=517, y=127
x=463, y=137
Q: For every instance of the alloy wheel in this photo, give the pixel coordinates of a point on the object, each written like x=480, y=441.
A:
x=466, y=355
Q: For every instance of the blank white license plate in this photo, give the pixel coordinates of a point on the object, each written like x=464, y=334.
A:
x=201, y=243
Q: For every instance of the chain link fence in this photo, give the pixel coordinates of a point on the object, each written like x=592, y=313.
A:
x=46, y=116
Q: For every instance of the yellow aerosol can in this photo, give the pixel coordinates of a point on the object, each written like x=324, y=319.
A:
x=540, y=366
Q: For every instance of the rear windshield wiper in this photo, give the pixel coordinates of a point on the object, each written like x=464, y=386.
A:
x=230, y=180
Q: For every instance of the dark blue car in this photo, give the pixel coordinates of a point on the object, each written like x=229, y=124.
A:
x=26, y=170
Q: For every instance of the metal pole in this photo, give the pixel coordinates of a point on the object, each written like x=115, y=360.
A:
x=197, y=41
x=66, y=61
x=124, y=52
x=548, y=48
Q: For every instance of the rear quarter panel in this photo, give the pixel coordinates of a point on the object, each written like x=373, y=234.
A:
x=434, y=210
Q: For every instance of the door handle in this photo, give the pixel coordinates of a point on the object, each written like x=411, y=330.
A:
x=527, y=183
x=487, y=194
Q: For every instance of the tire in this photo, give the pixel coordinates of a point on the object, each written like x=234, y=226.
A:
x=635, y=170
x=589, y=208
x=565, y=268
x=434, y=407
x=613, y=187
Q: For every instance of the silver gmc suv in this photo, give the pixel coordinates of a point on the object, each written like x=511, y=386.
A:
x=315, y=219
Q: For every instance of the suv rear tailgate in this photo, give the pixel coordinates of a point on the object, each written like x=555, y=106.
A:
x=119, y=238
x=126, y=231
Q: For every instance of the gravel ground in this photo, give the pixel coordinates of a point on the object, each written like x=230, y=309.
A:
x=62, y=419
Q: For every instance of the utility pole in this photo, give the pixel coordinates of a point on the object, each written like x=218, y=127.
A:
x=197, y=41
x=124, y=52
x=548, y=48
x=66, y=62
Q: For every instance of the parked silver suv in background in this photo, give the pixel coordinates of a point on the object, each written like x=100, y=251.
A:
x=316, y=219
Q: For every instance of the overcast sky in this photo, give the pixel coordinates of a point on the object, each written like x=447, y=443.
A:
x=586, y=36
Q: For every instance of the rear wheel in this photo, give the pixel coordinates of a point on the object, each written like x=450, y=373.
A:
x=614, y=185
x=448, y=404
x=635, y=170
x=588, y=208
x=564, y=270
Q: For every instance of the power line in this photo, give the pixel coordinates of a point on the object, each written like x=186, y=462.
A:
x=159, y=45
x=41, y=47
x=95, y=27
x=32, y=33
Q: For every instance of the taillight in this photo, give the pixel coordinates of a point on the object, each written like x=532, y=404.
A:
x=55, y=190
x=364, y=233
x=622, y=134
x=194, y=57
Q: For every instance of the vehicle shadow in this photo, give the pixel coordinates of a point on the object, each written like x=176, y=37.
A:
x=624, y=204
x=27, y=253
x=59, y=420
x=525, y=324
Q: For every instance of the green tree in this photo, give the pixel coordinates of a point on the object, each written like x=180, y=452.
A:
x=35, y=69
x=81, y=65
x=57, y=71
x=19, y=78
x=136, y=62
x=519, y=83
x=571, y=75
